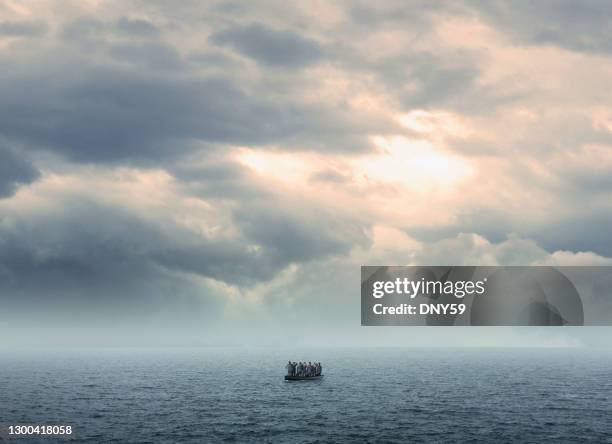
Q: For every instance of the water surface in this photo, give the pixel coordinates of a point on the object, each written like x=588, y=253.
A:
x=367, y=395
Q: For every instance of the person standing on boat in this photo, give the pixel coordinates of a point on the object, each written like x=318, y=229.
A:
x=289, y=366
x=300, y=368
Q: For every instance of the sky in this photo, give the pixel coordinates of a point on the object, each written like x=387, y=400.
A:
x=215, y=173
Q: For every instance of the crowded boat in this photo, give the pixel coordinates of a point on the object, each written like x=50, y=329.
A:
x=304, y=369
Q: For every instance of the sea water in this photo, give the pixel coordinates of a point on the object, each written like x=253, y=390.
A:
x=367, y=395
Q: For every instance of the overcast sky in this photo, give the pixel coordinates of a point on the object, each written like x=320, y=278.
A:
x=216, y=172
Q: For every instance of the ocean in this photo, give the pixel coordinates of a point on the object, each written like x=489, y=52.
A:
x=401, y=395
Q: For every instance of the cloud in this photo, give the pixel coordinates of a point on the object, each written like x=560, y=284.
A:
x=80, y=259
x=90, y=28
x=291, y=235
x=137, y=27
x=578, y=232
x=580, y=26
x=15, y=170
x=270, y=46
x=581, y=259
x=572, y=232
x=417, y=14
x=328, y=175
x=104, y=114
x=102, y=238
x=217, y=180
x=435, y=83
x=251, y=155
x=474, y=249
x=83, y=28
x=156, y=56
x=23, y=28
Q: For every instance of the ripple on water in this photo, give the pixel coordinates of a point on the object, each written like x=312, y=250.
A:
x=392, y=395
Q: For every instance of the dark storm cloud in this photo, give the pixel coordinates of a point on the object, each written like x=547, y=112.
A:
x=83, y=249
x=87, y=256
x=229, y=262
x=82, y=258
x=15, y=170
x=289, y=235
x=270, y=46
x=111, y=114
x=579, y=26
x=23, y=28
x=222, y=180
x=272, y=237
x=115, y=92
x=94, y=113
x=160, y=95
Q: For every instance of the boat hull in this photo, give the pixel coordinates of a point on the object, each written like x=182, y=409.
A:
x=302, y=378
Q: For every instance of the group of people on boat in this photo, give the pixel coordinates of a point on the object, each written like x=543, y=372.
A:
x=303, y=369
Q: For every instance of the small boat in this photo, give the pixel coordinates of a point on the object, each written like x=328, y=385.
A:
x=302, y=378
